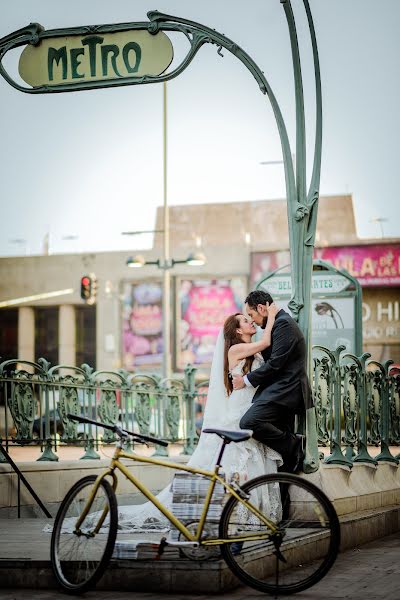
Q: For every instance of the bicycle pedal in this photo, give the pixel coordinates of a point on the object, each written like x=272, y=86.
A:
x=163, y=544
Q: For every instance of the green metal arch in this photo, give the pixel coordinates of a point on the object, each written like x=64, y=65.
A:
x=302, y=205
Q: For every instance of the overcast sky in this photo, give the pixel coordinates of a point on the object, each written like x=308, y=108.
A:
x=89, y=164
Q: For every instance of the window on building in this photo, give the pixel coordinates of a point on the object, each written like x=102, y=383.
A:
x=8, y=334
x=46, y=334
x=85, y=335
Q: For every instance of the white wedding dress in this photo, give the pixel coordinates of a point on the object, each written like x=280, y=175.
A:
x=243, y=460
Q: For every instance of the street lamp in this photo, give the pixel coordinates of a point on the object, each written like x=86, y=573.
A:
x=279, y=162
x=195, y=259
x=379, y=220
x=21, y=242
x=70, y=238
x=142, y=231
x=166, y=263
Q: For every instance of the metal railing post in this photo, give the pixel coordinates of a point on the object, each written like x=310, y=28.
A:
x=385, y=454
x=362, y=440
x=336, y=456
x=190, y=413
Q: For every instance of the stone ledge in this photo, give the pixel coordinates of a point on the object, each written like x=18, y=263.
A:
x=51, y=481
x=364, y=487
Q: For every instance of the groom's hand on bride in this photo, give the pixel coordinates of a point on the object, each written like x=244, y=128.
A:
x=238, y=382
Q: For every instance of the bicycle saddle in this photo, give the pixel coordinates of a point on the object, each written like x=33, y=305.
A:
x=231, y=436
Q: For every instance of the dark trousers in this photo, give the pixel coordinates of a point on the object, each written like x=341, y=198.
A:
x=272, y=424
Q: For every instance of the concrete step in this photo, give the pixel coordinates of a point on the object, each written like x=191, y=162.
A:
x=25, y=557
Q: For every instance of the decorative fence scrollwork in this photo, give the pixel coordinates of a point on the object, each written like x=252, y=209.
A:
x=22, y=405
x=357, y=406
x=35, y=401
x=351, y=406
x=362, y=396
x=323, y=392
x=394, y=408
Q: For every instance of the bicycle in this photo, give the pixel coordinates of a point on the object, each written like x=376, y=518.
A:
x=278, y=556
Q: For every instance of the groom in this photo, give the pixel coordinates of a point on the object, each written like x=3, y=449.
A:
x=283, y=386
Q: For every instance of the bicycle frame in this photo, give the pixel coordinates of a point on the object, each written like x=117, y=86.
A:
x=213, y=476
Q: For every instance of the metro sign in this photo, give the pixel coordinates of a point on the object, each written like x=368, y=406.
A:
x=97, y=57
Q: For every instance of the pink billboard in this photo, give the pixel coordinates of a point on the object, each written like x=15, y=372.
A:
x=204, y=306
x=373, y=265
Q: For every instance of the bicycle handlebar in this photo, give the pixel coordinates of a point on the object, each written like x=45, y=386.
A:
x=117, y=429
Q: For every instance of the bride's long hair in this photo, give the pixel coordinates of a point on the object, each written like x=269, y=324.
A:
x=232, y=337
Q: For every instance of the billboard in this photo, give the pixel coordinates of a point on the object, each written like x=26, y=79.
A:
x=372, y=265
x=142, y=343
x=203, y=306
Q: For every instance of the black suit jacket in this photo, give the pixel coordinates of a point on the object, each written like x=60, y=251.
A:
x=283, y=377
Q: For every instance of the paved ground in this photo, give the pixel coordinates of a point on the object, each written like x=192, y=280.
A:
x=370, y=572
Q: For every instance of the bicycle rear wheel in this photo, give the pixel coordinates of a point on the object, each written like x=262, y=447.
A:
x=79, y=557
x=305, y=547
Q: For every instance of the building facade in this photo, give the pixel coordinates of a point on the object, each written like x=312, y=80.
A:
x=42, y=313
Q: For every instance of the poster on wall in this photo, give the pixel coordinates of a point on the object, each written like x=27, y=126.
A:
x=142, y=343
x=203, y=306
x=332, y=321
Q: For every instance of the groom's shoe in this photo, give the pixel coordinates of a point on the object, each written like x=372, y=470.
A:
x=296, y=464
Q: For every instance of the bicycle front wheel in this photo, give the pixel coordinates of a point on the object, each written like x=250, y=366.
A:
x=299, y=554
x=79, y=556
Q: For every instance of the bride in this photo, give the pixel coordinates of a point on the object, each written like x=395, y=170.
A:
x=234, y=353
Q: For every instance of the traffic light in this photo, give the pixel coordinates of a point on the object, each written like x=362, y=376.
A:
x=89, y=288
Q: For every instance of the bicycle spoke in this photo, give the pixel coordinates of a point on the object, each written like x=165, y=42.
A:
x=277, y=575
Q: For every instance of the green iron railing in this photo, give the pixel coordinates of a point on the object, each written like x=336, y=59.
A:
x=35, y=400
x=357, y=406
